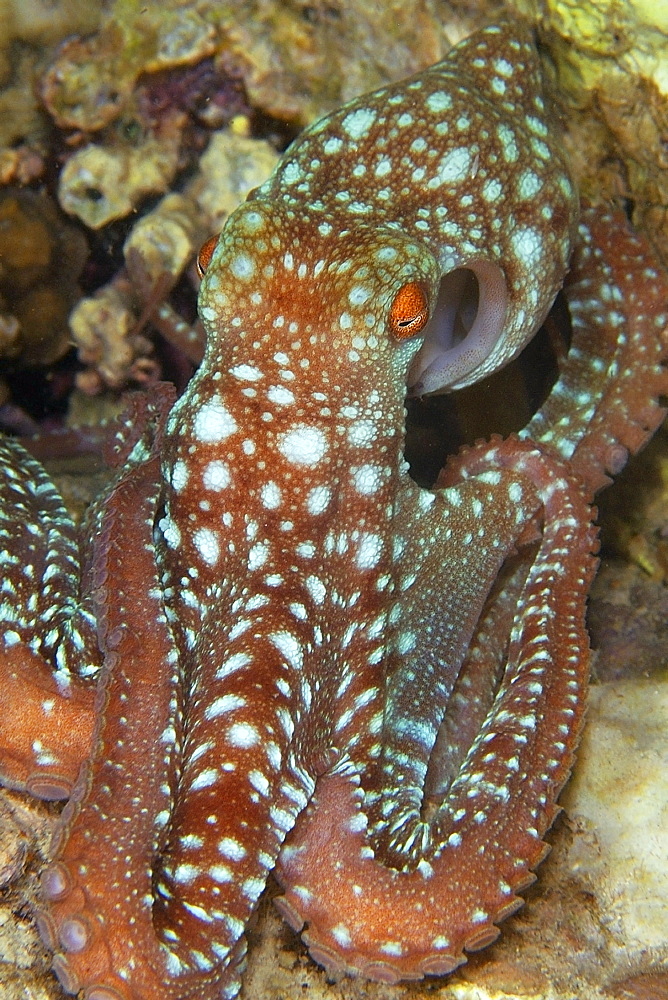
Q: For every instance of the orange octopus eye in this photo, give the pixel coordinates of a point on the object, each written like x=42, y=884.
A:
x=205, y=255
x=410, y=310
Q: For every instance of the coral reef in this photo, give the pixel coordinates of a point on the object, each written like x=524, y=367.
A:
x=41, y=258
x=298, y=60
x=162, y=117
x=107, y=327
x=611, y=64
x=28, y=33
x=99, y=184
x=140, y=91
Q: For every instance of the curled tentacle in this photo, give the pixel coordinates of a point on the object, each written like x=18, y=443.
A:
x=487, y=833
x=608, y=399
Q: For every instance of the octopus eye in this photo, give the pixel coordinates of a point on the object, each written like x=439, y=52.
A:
x=410, y=310
x=205, y=255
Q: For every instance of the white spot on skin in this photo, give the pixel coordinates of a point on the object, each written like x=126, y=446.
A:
x=438, y=102
x=232, y=849
x=179, y=475
x=367, y=479
x=270, y=495
x=528, y=246
x=316, y=588
x=226, y=703
x=242, y=266
x=509, y=143
x=243, y=735
x=455, y=166
x=216, y=475
x=213, y=422
x=220, y=874
x=259, y=781
x=258, y=555
x=332, y=146
x=357, y=123
x=253, y=221
x=237, y=661
x=362, y=433
x=391, y=948
x=289, y=647
x=303, y=445
x=170, y=532
x=369, y=551
x=492, y=190
x=205, y=779
x=318, y=499
x=503, y=67
x=358, y=295
x=280, y=395
x=292, y=172
x=341, y=935
x=529, y=184
x=247, y=373
x=207, y=543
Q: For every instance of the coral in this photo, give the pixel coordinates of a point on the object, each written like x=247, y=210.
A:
x=28, y=30
x=44, y=23
x=99, y=184
x=107, y=326
x=232, y=165
x=611, y=60
x=102, y=326
x=24, y=130
x=41, y=258
x=301, y=60
x=298, y=60
x=92, y=79
x=166, y=122
x=622, y=801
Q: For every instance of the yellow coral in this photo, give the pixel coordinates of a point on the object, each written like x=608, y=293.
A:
x=99, y=183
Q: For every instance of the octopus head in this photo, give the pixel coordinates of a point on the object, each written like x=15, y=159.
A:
x=354, y=303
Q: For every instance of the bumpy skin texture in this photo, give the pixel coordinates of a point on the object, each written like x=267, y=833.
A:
x=268, y=648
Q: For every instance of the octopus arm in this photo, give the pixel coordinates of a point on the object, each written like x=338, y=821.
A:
x=125, y=786
x=47, y=635
x=432, y=625
x=44, y=736
x=486, y=834
x=606, y=403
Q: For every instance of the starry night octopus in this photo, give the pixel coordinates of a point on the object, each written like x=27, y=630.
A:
x=269, y=649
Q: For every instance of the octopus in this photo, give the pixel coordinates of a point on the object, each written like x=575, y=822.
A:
x=268, y=649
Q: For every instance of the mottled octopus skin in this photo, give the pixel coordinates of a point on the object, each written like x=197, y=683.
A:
x=268, y=648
